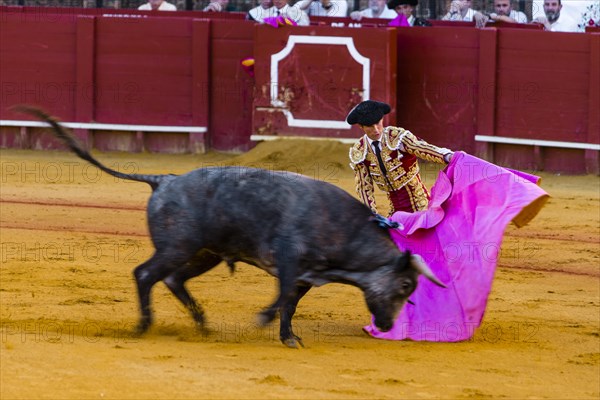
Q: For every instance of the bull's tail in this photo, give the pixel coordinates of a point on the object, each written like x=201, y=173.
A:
x=74, y=145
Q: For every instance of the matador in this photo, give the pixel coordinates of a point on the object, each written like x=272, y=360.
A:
x=387, y=158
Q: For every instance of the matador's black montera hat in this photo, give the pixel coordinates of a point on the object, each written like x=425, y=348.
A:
x=395, y=3
x=368, y=113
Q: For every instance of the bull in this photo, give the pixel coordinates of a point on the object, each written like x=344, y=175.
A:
x=303, y=231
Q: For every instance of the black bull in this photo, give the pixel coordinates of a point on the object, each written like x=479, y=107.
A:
x=304, y=231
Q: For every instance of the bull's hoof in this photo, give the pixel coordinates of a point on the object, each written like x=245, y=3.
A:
x=197, y=314
x=199, y=322
x=293, y=342
x=141, y=328
x=202, y=328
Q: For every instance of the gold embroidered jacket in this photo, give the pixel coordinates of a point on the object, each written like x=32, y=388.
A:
x=399, y=150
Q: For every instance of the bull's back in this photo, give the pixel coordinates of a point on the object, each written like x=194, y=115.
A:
x=233, y=209
x=241, y=192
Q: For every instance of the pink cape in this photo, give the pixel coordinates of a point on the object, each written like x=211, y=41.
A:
x=459, y=237
x=278, y=21
x=400, y=20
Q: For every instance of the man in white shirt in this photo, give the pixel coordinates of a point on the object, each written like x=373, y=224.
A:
x=262, y=11
x=377, y=9
x=216, y=6
x=554, y=21
x=460, y=10
x=324, y=8
x=157, y=5
x=281, y=7
x=503, y=12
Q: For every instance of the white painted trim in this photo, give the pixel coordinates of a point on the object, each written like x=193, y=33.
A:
x=324, y=40
x=258, y=138
x=536, y=142
x=109, y=127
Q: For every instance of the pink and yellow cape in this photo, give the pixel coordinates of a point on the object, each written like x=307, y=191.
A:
x=459, y=236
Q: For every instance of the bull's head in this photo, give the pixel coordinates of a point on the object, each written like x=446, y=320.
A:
x=391, y=287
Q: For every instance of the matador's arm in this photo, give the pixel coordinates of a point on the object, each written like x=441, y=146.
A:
x=418, y=147
x=364, y=185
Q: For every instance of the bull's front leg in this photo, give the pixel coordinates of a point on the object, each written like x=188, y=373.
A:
x=286, y=262
x=286, y=334
x=286, y=292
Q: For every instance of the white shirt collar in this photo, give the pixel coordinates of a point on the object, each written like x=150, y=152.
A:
x=371, y=142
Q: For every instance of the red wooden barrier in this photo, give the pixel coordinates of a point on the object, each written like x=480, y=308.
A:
x=143, y=71
x=341, y=22
x=519, y=97
x=308, y=79
x=514, y=25
x=505, y=88
x=531, y=76
x=451, y=24
x=544, y=90
x=102, y=71
x=231, y=89
x=49, y=14
x=38, y=65
x=437, y=84
x=592, y=156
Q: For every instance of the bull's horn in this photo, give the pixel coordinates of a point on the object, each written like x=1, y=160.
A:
x=420, y=265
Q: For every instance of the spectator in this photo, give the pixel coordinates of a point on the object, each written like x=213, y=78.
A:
x=387, y=157
x=460, y=10
x=281, y=7
x=407, y=8
x=216, y=6
x=503, y=12
x=159, y=5
x=377, y=9
x=553, y=20
x=260, y=12
x=325, y=8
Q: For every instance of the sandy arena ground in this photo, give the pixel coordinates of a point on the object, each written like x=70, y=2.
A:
x=70, y=238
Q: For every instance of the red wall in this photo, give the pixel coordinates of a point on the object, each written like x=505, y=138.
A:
x=513, y=83
x=446, y=83
x=544, y=90
x=438, y=72
x=542, y=84
x=127, y=70
x=38, y=64
x=143, y=71
x=320, y=82
x=231, y=88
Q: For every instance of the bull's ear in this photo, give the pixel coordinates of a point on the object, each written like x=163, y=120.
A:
x=417, y=262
